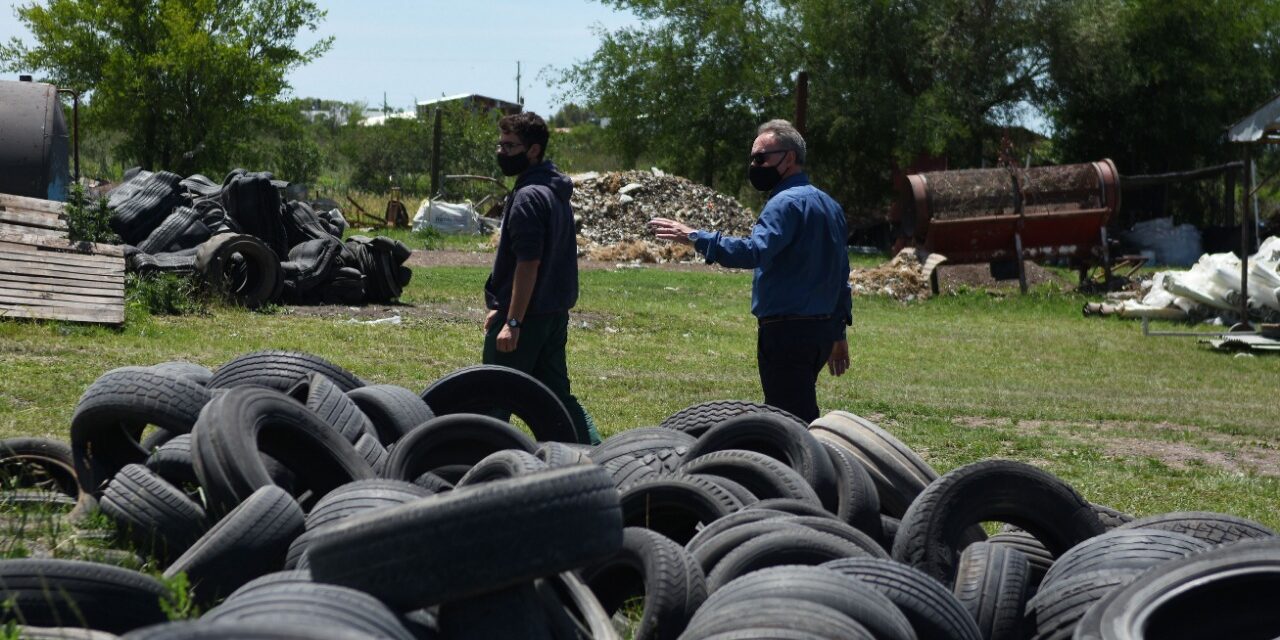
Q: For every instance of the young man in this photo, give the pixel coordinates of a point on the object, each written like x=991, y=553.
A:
x=534, y=281
x=800, y=293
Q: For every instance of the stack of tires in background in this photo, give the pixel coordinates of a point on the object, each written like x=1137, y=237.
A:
x=300, y=502
x=243, y=239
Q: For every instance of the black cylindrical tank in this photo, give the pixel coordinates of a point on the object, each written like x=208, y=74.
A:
x=33, y=141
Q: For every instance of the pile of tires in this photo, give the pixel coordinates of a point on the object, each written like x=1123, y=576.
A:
x=246, y=241
x=297, y=501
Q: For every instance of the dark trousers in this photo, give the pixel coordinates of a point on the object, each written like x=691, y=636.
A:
x=541, y=354
x=790, y=354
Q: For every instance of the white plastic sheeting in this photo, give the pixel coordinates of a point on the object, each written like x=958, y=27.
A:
x=1164, y=243
x=447, y=217
x=1212, y=286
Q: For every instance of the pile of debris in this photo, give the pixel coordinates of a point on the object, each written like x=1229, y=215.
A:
x=243, y=237
x=612, y=209
x=1210, y=288
x=903, y=278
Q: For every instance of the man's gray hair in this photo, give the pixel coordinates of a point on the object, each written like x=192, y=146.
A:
x=786, y=133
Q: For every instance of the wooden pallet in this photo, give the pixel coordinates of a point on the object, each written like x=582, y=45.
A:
x=19, y=214
x=54, y=278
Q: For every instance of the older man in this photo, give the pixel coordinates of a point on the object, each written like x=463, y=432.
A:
x=800, y=293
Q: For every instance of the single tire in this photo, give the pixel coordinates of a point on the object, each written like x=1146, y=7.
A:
x=473, y=540
x=280, y=370
x=513, y=612
x=858, y=601
x=709, y=551
x=992, y=582
x=628, y=470
x=899, y=474
x=457, y=439
x=38, y=463
x=373, y=452
x=172, y=461
x=74, y=593
x=310, y=605
x=1038, y=558
x=332, y=405
x=793, y=507
x=559, y=454
x=353, y=498
x=858, y=500
x=471, y=390
x=1124, y=549
x=735, y=519
x=1055, y=611
x=243, y=423
x=1237, y=583
x=113, y=412
x=791, y=546
x=1214, y=528
x=202, y=630
x=780, y=438
x=765, y=477
x=744, y=496
x=676, y=506
x=777, y=619
x=393, y=411
x=934, y=612
x=156, y=517
x=653, y=567
x=638, y=442
x=240, y=267
x=502, y=465
x=941, y=522
x=696, y=419
x=250, y=541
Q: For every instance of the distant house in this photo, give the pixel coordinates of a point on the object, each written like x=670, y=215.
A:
x=471, y=101
x=375, y=118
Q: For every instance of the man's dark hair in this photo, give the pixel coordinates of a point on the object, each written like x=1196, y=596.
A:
x=529, y=127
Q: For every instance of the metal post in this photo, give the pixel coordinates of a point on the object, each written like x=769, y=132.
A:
x=435, y=154
x=802, y=101
x=75, y=126
x=1245, y=215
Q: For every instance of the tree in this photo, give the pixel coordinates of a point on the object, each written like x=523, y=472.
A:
x=889, y=80
x=190, y=83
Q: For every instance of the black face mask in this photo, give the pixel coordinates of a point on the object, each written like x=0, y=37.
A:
x=763, y=178
x=513, y=165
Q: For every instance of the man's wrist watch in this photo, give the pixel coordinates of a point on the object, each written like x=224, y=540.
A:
x=513, y=323
x=693, y=236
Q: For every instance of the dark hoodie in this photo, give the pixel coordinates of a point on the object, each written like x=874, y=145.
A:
x=537, y=224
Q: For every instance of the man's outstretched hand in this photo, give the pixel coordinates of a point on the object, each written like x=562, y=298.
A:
x=668, y=229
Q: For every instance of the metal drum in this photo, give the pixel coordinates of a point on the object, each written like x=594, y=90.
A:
x=33, y=141
x=997, y=215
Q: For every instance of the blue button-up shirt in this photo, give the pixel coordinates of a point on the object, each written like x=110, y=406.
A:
x=797, y=248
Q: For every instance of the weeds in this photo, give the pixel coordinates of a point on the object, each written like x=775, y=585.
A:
x=163, y=294
x=88, y=221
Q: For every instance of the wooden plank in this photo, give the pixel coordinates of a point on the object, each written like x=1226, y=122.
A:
x=61, y=286
x=110, y=283
x=105, y=316
x=64, y=245
x=33, y=261
x=59, y=300
x=65, y=275
x=32, y=204
x=26, y=253
x=32, y=219
x=13, y=228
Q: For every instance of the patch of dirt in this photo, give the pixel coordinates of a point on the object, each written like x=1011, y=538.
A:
x=978, y=276
x=1178, y=446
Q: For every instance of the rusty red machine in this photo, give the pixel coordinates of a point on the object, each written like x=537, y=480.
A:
x=1006, y=215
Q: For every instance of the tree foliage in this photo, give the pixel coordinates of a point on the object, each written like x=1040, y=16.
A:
x=190, y=83
x=1151, y=83
x=399, y=152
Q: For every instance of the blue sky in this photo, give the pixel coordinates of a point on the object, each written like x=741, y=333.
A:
x=415, y=50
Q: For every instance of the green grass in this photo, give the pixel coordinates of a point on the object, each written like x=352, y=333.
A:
x=1142, y=424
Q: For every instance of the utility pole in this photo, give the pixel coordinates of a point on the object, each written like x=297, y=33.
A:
x=519, y=100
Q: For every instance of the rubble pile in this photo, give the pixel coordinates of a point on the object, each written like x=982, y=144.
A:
x=902, y=277
x=612, y=209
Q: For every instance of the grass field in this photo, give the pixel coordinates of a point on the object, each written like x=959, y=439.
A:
x=1142, y=424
